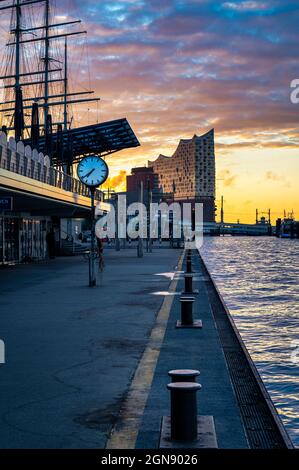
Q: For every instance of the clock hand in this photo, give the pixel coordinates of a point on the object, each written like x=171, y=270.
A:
x=89, y=173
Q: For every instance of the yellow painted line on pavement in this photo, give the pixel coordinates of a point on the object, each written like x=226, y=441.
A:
x=125, y=432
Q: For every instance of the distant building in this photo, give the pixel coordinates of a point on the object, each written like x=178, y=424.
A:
x=149, y=179
x=190, y=172
x=144, y=174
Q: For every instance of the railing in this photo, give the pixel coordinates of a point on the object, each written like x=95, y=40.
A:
x=20, y=164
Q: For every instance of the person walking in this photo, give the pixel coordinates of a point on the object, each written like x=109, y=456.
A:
x=50, y=240
x=100, y=253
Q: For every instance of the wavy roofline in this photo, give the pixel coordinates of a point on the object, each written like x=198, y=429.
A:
x=182, y=141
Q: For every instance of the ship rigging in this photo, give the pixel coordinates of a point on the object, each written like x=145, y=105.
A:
x=37, y=95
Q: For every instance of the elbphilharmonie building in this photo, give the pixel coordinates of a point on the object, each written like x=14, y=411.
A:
x=190, y=172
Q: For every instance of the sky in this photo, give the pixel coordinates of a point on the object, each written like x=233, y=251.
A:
x=177, y=68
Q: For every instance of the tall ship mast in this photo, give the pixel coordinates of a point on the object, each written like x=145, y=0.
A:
x=35, y=81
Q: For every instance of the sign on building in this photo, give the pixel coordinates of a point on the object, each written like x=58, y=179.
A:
x=6, y=203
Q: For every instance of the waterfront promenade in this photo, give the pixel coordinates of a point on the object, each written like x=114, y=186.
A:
x=87, y=368
x=71, y=351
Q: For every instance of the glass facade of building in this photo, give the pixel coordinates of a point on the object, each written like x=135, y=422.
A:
x=190, y=172
x=22, y=239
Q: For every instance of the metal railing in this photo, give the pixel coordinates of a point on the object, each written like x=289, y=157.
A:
x=30, y=168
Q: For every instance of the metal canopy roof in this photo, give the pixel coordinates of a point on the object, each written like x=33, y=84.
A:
x=100, y=139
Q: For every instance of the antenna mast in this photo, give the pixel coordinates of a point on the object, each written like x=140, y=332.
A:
x=17, y=35
x=65, y=87
x=17, y=106
x=46, y=60
x=222, y=211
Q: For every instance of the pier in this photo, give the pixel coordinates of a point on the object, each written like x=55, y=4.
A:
x=89, y=368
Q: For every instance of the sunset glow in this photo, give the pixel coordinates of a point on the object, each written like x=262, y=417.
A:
x=176, y=68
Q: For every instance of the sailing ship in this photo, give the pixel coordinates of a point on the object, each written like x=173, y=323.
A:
x=36, y=89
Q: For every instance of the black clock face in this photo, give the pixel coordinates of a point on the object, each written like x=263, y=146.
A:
x=92, y=170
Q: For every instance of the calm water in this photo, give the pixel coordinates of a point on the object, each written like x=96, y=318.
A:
x=259, y=281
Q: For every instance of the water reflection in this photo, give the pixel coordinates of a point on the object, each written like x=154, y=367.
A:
x=259, y=281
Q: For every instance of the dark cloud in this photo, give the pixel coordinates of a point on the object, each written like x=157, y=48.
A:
x=175, y=67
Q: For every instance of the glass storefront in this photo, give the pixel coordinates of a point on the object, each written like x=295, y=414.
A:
x=9, y=239
x=22, y=239
x=32, y=239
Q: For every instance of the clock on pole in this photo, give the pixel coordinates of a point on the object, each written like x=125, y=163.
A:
x=92, y=171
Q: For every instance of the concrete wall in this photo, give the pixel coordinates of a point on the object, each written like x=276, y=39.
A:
x=23, y=160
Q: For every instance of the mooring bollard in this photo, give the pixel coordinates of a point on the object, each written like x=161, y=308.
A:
x=184, y=428
x=188, y=265
x=187, y=313
x=187, y=310
x=183, y=375
x=188, y=283
x=183, y=410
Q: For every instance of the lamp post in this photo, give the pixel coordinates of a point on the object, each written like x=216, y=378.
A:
x=140, y=242
x=117, y=242
x=149, y=202
x=173, y=199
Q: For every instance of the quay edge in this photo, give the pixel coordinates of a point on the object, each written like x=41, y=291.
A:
x=262, y=424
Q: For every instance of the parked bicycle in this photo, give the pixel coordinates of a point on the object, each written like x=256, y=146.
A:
x=98, y=257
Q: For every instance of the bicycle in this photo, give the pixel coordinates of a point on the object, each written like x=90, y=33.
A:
x=101, y=262
x=97, y=255
x=87, y=255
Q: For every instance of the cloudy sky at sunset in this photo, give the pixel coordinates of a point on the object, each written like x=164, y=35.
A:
x=175, y=68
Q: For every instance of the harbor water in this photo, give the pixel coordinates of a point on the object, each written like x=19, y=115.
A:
x=258, y=278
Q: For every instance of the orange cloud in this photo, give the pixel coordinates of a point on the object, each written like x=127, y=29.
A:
x=270, y=175
x=117, y=182
x=227, y=177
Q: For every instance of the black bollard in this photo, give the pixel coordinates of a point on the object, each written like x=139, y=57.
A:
x=183, y=410
x=187, y=310
x=188, y=283
x=183, y=375
x=188, y=265
x=187, y=313
x=184, y=428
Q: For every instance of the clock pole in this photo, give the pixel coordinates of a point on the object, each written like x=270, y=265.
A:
x=94, y=165
x=92, y=276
